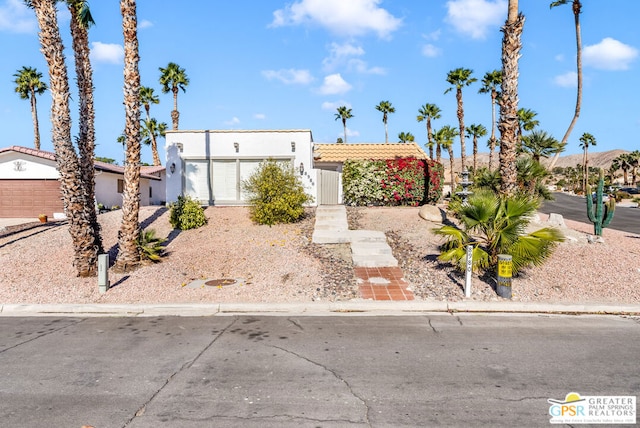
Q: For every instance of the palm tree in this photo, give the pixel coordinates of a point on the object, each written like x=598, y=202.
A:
x=404, y=137
x=586, y=140
x=81, y=229
x=128, y=237
x=444, y=137
x=576, y=6
x=385, y=107
x=634, y=157
x=539, y=144
x=508, y=126
x=147, y=98
x=81, y=21
x=28, y=85
x=526, y=121
x=459, y=78
x=428, y=112
x=172, y=78
x=623, y=162
x=150, y=132
x=475, y=131
x=344, y=113
x=495, y=224
x=490, y=83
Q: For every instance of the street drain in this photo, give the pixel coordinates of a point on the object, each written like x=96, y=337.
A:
x=220, y=282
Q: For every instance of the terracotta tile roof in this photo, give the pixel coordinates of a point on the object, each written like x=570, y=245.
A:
x=341, y=152
x=146, y=172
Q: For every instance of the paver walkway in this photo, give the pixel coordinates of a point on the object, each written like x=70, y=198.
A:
x=375, y=268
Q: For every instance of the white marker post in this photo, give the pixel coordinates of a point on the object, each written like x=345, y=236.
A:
x=467, y=282
x=103, y=273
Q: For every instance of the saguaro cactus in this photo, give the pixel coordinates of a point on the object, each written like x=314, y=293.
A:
x=602, y=213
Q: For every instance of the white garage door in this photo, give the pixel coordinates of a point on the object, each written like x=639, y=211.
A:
x=196, y=185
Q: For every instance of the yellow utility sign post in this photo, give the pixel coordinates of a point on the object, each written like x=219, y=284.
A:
x=505, y=264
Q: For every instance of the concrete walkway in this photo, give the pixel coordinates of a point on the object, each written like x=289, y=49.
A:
x=376, y=270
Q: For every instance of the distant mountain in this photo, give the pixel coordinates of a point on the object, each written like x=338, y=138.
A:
x=596, y=159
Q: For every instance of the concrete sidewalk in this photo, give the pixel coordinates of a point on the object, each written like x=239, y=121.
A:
x=346, y=308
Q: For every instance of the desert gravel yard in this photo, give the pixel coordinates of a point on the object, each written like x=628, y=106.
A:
x=280, y=264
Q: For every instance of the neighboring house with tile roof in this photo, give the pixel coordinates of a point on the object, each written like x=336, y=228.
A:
x=29, y=183
x=210, y=165
x=329, y=158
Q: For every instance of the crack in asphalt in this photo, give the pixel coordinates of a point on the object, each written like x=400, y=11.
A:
x=290, y=418
x=43, y=335
x=433, y=328
x=337, y=376
x=186, y=365
x=294, y=322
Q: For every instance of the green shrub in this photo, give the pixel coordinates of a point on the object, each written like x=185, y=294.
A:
x=621, y=194
x=187, y=214
x=150, y=245
x=276, y=194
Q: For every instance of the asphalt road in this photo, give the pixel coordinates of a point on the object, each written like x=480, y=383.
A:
x=279, y=371
x=574, y=208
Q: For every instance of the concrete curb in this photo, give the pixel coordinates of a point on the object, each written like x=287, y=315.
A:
x=351, y=308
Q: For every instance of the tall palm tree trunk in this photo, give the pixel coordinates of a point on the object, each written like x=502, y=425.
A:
x=86, y=122
x=154, y=150
x=128, y=252
x=438, y=152
x=492, y=140
x=511, y=45
x=175, y=114
x=453, y=175
x=475, y=154
x=71, y=187
x=386, y=133
x=576, y=17
x=430, y=137
x=34, y=116
x=344, y=127
x=463, y=148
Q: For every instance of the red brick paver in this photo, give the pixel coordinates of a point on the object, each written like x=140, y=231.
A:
x=382, y=283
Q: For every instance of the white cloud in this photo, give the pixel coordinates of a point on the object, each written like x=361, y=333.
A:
x=334, y=84
x=352, y=133
x=567, y=80
x=609, y=54
x=475, y=17
x=431, y=51
x=260, y=116
x=342, y=55
x=290, y=76
x=15, y=17
x=234, y=121
x=110, y=53
x=145, y=23
x=346, y=18
x=328, y=105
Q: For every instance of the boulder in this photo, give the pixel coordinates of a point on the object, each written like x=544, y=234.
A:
x=556, y=220
x=431, y=213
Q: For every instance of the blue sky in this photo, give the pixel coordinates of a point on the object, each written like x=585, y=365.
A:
x=288, y=64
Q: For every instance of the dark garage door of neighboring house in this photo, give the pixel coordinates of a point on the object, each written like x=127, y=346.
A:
x=28, y=198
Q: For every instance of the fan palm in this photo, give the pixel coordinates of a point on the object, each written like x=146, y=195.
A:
x=173, y=78
x=343, y=114
x=526, y=121
x=83, y=233
x=147, y=98
x=493, y=225
x=576, y=6
x=28, y=85
x=150, y=132
x=444, y=137
x=459, y=78
x=128, y=238
x=404, y=137
x=586, y=140
x=508, y=126
x=540, y=144
x=490, y=83
x=385, y=107
x=475, y=131
x=428, y=112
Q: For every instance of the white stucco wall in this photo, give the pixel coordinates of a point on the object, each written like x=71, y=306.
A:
x=185, y=146
x=21, y=166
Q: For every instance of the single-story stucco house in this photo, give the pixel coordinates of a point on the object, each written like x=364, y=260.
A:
x=29, y=183
x=210, y=165
x=329, y=158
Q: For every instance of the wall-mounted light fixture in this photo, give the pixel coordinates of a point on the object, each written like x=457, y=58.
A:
x=293, y=146
x=236, y=146
x=180, y=147
x=301, y=168
x=172, y=168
